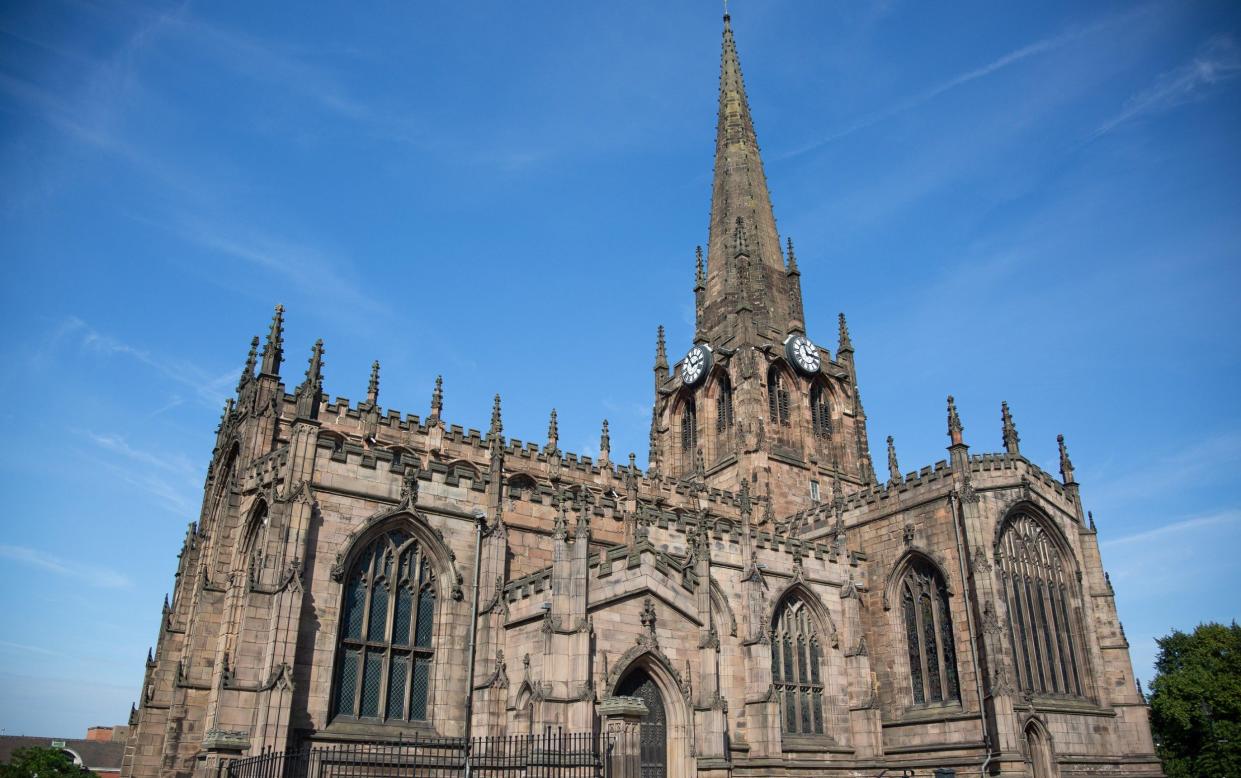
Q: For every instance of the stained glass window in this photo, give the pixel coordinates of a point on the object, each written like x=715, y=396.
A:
x=387, y=622
x=928, y=634
x=798, y=681
x=1039, y=591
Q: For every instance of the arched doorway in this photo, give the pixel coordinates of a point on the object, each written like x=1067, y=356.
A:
x=1038, y=745
x=654, y=732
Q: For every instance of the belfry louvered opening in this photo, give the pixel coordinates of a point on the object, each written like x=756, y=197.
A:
x=385, y=651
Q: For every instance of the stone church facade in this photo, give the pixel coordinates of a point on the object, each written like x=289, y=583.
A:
x=778, y=605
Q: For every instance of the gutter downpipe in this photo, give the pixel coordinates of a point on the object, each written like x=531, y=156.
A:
x=480, y=519
x=955, y=501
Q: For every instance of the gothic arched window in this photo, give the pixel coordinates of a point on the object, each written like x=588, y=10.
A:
x=796, y=660
x=689, y=428
x=928, y=634
x=777, y=396
x=253, y=547
x=820, y=412
x=383, y=669
x=1038, y=590
x=724, y=405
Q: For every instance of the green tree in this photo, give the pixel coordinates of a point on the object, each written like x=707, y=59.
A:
x=1196, y=702
x=42, y=763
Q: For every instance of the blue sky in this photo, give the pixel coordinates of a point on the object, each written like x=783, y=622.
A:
x=1035, y=203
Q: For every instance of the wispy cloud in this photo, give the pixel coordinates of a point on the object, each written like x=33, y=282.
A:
x=1192, y=464
x=1013, y=57
x=1216, y=61
x=92, y=575
x=169, y=479
x=1176, y=528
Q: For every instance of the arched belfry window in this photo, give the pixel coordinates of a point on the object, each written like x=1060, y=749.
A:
x=777, y=396
x=1042, y=624
x=796, y=668
x=928, y=634
x=384, y=656
x=689, y=428
x=724, y=405
x=820, y=412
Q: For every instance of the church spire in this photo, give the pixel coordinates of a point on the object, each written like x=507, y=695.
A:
x=740, y=208
x=372, y=388
x=661, y=358
x=273, y=350
x=247, y=372
x=1011, y=440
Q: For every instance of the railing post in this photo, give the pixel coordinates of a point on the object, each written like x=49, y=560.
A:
x=622, y=721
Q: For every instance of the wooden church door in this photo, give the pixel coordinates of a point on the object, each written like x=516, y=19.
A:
x=654, y=731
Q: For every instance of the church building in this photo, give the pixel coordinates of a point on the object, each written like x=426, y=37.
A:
x=755, y=599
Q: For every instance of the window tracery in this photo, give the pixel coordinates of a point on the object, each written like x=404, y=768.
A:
x=724, y=405
x=777, y=397
x=928, y=634
x=820, y=412
x=796, y=669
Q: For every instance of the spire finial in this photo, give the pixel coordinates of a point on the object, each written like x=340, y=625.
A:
x=310, y=392
x=273, y=350
x=894, y=469
x=437, y=399
x=605, y=442
x=1011, y=439
x=247, y=373
x=497, y=426
x=1066, y=464
x=661, y=351
x=793, y=271
x=372, y=389
x=845, y=343
x=553, y=432
x=700, y=273
x=954, y=423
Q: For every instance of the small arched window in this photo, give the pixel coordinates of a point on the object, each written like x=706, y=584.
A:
x=928, y=635
x=1042, y=624
x=384, y=655
x=254, y=544
x=724, y=405
x=796, y=661
x=820, y=412
x=777, y=397
x=689, y=428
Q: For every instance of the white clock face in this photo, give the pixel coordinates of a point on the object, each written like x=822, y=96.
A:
x=697, y=363
x=804, y=354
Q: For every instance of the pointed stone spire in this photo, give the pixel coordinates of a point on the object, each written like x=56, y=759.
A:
x=661, y=357
x=605, y=443
x=1066, y=464
x=1090, y=514
x=497, y=426
x=372, y=388
x=894, y=469
x=700, y=275
x=247, y=372
x=560, y=529
x=437, y=399
x=700, y=291
x=309, y=394
x=792, y=265
x=954, y=423
x=845, y=343
x=273, y=350
x=797, y=317
x=553, y=432
x=1011, y=439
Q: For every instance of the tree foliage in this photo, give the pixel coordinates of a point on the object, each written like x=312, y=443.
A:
x=42, y=763
x=1196, y=702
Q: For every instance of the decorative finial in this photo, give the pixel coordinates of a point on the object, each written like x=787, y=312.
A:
x=845, y=343
x=437, y=399
x=1011, y=439
x=372, y=389
x=792, y=269
x=1090, y=514
x=273, y=350
x=700, y=274
x=954, y=423
x=561, y=527
x=1066, y=464
x=605, y=442
x=497, y=426
x=247, y=373
x=310, y=392
x=553, y=432
x=661, y=351
x=894, y=469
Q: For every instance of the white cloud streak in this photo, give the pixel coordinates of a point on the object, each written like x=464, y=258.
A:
x=91, y=575
x=1180, y=527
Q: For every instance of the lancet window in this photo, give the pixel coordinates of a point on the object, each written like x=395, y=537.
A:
x=777, y=397
x=1042, y=623
x=796, y=661
x=724, y=405
x=820, y=412
x=928, y=634
x=384, y=656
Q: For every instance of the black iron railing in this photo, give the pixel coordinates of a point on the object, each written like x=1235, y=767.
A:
x=553, y=754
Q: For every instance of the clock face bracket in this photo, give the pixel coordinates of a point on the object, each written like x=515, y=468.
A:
x=804, y=355
x=696, y=365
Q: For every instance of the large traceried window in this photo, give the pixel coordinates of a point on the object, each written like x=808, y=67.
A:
x=777, y=397
x=820, y=412
x=1042, y=623
x=928, y=634
x=383, y=669
x=796, y=662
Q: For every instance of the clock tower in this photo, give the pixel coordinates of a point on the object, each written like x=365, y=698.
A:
x=756, y=397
